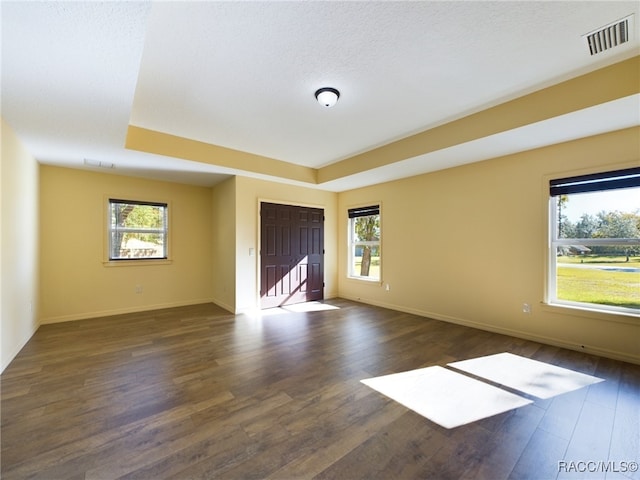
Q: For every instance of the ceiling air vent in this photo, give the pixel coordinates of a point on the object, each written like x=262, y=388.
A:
x=609, y=36
x=98, y=163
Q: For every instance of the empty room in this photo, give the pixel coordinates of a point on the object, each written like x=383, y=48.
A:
x=308, y=239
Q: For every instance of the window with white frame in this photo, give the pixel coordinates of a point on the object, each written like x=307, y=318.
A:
x=364, y=242
x=594, y=251
x=137, y=230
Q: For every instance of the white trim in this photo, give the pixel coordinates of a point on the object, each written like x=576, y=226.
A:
x=351, y=245
x=595, y=241
x=586, y=310
x=106, y=260
x=552, y=244
x=602, y=352
x=121, y=311
x=552, y=259
x=137, y=262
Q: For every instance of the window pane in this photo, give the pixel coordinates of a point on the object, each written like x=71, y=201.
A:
x=367, y=228
x=593, y=264
x=606, y=214
x=605, y=279
x=366, y=262
x=137, y=230
x=138, y=245
x=364, y=258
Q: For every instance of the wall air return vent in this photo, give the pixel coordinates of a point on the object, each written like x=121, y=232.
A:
x=610, y=36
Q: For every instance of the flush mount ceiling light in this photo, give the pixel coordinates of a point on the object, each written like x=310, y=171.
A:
x=327, y=96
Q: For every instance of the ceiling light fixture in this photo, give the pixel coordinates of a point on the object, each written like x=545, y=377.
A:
x=327, y=96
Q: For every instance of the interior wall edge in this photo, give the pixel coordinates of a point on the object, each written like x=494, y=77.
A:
x=7, y=361
x=223, y=305
x=19, y=245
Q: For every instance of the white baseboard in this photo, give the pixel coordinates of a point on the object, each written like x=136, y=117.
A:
x=228, y=308
x=602, y=352
x=613, y=354
x=121, y=311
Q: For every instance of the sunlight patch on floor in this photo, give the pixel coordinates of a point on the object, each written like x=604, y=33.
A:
x=295, y=308
x=446, y=397
x=451, y=398
x=309, y=307
x=529, y=376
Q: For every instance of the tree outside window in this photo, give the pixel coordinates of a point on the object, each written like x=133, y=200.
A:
x=137, y=230
x=364, y=233
x=595, y=241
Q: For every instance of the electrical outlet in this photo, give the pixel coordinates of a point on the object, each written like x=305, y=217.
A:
x=387, y=287
x=526, y=308
x=138, y=288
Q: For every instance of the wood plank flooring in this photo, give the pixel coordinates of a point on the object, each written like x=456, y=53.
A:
x=195, y=393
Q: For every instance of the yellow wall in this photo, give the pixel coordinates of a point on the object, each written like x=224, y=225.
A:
x=467, y=245
x=18, y=246
x=75, y=281
x=249, y=193
x=598, y=87
x=223, y=247
x=607, y=84
x=213, y=230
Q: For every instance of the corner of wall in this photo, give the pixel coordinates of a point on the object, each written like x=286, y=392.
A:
x=223, y=224
x=19, y=246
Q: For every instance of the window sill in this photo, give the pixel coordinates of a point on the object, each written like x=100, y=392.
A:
x=137, y=263
x=586, y=312
x=373, y=281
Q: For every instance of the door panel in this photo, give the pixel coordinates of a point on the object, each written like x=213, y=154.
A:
x=291, y=254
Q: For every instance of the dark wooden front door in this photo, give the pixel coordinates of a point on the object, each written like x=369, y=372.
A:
x=291, y=254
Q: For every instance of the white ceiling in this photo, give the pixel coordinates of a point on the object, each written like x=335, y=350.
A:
x=242, y=75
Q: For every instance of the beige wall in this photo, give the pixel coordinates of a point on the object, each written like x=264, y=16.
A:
x=223, y=247
x=76, y=282
x=249, y=193
x=467, y=245
x=18, y=246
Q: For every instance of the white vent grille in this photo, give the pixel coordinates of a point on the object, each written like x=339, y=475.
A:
x=98, y=163
x=609, y=36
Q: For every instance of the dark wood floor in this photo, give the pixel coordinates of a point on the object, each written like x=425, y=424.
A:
x=195, y=392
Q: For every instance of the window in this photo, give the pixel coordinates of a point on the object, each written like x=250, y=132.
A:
x=364, y=242
x=137, y=230
x=595, y=241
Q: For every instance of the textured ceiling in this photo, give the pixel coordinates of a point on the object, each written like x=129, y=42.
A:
x=241, y=75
